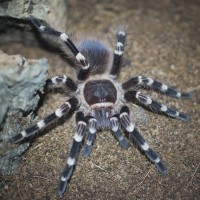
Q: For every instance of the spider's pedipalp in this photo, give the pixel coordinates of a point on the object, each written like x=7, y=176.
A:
x=117, y=60
x=71, y=161
x=65, y=81
x=64, y=109
x=140, y=141
x=114, y=123
x=145, y=82
x=144, y=100
x=92, y=126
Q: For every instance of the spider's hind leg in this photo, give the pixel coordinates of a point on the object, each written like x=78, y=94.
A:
x=117, y=60
x=140, y=141
x=71, y=161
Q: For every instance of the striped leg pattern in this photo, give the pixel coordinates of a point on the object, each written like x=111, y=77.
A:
x=92, y=126
x=84, y=64
x=140, y=141
x=65, y=81
x=64, y=109
x=117, y=61
x=71, y=161
x=114, y=123
x=145, y=82
x=144, y=100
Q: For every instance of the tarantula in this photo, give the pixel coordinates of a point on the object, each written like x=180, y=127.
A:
x=99, y=100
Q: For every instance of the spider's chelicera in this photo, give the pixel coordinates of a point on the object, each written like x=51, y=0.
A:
x=99, y=100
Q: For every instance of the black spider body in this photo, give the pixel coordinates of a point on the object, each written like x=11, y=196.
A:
x=99, y=100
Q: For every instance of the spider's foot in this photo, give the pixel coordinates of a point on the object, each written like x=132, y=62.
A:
x=65, y=176
x=124, y=143
x=186, y=96
x=161, y=168
x=153, y=156
x=178, y=115
x=87, y=150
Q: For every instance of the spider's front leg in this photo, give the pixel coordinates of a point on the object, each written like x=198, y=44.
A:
x=71, y=161
x=144, y=100
x=115, y=128
x=140, y=141
x=81, y=59
x=117, y=60
x=145, y=82
x=64, y=109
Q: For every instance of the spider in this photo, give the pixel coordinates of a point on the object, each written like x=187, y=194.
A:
x=99, y=100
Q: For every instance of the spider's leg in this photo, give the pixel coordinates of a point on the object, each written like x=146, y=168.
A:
x=145, y=82
x=64, y=109
x=92, y=126
x=71, y=161
x=140, y=141
x=65, y=81
x=114, y=123
x=117, y=61
x=65, y=38
x=144, y=100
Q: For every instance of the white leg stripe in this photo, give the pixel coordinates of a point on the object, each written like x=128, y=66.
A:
x=120, y=138
x=68, y=104
x=82, y=122
x=164, y=87
x=137, y=95
x=71, y=161
x=64, y=37
x=41, y=124
x=23, y=133
x=139, y=79
x=148, y=101
x=118, y=52
x=114, y=128
x=121, y=33
x=177, y=113
x=59, y=112
x=157, y=160
x=178, y=94
x=80, y=57
x=130, y=128
x=150, y=81
x=42, y=28
x=54, y=79
x=63, y=178
x=77, y=137
x=119, y=44
x=92, y=130
x=89, y=143
x=145, y=146
x=163, y=108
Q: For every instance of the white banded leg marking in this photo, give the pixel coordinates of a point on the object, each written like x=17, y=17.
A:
x=71, y=161
x=23, y=133
x=143, y=98
x=41, y=124
x=145, y=146
x=64, y=37
x=128, y=125
x=78, y=137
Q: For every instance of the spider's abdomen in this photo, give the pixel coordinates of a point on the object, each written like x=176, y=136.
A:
x=100, y=91
x=97, y=53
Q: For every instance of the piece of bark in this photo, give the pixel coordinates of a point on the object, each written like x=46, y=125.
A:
x=20, y=80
